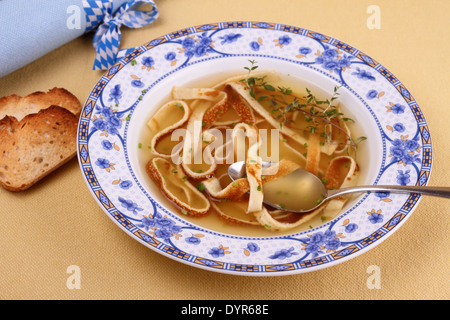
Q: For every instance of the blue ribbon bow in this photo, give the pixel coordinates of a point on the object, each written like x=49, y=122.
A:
x=107, y=37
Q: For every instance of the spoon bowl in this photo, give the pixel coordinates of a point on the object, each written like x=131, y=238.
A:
x=301, y=191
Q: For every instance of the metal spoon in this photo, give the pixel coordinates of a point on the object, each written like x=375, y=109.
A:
x=286, y=193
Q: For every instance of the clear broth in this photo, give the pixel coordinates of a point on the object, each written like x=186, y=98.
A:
x=212, y=221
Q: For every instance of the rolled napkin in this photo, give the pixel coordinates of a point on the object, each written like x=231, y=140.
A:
x=29, y=29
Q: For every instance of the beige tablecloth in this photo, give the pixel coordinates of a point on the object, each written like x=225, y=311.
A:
x=58, y=224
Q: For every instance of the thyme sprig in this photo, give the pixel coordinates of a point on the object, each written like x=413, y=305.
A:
x=317, y=112
x=253, y=82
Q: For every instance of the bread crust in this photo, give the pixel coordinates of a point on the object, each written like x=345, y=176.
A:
x=37, y=135
x=19, y=107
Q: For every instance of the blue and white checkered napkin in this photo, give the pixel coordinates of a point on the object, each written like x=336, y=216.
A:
x=30, y=29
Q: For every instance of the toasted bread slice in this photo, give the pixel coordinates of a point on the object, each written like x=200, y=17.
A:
x=19, y=107
x=37, y=135
x=35, y=146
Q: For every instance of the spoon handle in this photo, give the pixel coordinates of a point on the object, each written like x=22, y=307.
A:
x=431, y=191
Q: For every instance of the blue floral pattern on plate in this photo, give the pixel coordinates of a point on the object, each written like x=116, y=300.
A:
x=103, y=154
